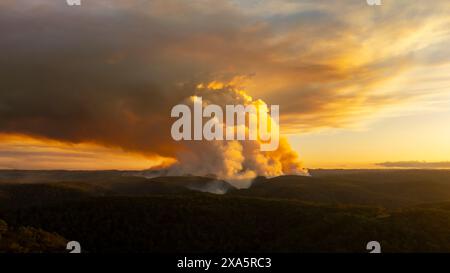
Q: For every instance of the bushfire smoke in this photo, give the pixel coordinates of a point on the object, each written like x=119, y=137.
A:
x=233, y=159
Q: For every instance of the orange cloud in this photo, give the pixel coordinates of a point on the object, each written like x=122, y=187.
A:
x=24, y=152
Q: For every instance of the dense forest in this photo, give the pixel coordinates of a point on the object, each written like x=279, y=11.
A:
x=331, y=211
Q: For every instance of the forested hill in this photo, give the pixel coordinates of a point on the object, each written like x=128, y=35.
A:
x=331, y=211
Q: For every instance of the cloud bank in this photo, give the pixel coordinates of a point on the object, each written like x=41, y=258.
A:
x=416, y=164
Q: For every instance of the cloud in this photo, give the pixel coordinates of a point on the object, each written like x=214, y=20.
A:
x=23, y=152
x=416, y=164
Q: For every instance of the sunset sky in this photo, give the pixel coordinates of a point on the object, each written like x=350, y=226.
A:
x=91, y=87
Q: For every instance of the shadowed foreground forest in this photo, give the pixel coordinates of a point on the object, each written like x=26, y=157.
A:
x=331, y=211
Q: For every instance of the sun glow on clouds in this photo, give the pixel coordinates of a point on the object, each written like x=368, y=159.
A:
x=333, y=66
x=24, y=152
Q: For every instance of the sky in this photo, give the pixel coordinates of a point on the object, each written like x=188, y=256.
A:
x=92, y=86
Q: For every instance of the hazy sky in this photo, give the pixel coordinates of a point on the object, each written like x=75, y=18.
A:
x=91, y=87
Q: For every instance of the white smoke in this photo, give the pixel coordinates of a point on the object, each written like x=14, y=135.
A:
x=236, y=161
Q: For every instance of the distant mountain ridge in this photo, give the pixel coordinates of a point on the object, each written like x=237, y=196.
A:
x=386, y=188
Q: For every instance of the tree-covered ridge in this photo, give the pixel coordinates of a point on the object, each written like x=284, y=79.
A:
x=332, y=211
x=29, y=240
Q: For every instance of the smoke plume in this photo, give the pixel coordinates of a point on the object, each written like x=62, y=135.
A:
x=233, y=159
